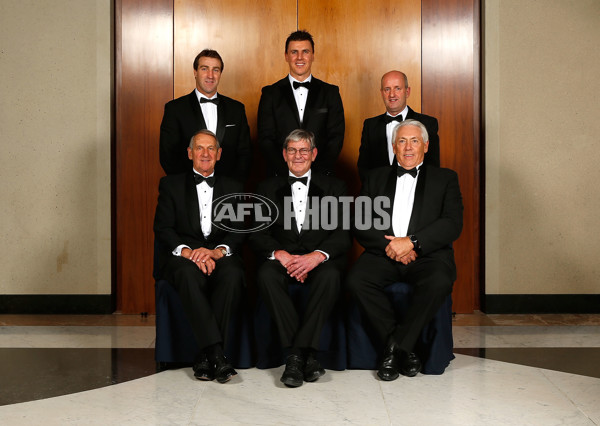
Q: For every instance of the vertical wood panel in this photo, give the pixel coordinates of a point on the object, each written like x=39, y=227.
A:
x=249, y=36
x=144, y=82
x=451, y=93
x=356, y=42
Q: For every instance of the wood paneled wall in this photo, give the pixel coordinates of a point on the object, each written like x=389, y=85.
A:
x=355, y=43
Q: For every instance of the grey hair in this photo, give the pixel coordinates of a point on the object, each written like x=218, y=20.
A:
x=300, y=135
x=203, y=132
x=411, y=122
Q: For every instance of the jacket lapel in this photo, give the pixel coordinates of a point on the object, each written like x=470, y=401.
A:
x=221, y=120
x=314, y=190
x=390, y=192
x=193, y=207
x=288, y=95
x=381, y=135
x=311, y=101
x=285, y=191
x=418, y=201
x=197, y=111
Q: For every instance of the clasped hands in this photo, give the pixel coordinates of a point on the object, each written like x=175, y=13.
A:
x=299, y=265
x=400, y=249
x=203, y=258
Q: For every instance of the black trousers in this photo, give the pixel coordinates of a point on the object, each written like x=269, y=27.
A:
x=432, y=282
x=208, y=301
x=300, y=330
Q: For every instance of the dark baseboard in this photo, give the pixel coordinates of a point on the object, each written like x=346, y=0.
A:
x=542, y=304
x=56, y=304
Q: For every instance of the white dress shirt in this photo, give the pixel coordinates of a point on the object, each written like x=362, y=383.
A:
x=403, y=202
x=209, y=111
x=300, y=94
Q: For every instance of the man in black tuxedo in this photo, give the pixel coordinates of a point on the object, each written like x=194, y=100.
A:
x=204, y=108
x=424, y=211
x=199, y=258
x=376, y=141
x=300, y=101
x=298, y=249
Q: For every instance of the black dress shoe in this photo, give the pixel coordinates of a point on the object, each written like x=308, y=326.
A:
x=203, y=370
x=293, y=375
x=312, y=369
x=390, y=366
x=223, y=369
x=410, y=364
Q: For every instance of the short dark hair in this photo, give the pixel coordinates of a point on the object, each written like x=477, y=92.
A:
x=208, y=53
x=300, y=35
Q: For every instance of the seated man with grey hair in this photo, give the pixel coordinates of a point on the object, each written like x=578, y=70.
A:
x=200, y=253
x=424, y=216
x=297, y=249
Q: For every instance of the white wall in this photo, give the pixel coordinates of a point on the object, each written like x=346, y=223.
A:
x=55, y=85
x=542, y=123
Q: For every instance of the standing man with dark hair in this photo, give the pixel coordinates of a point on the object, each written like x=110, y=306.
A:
x=300, y=101
x=199, y=257
x=426, y=213
x=376, y=141
x=300, y=248
x=204, y=108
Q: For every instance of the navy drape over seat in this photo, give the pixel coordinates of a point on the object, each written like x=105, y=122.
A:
x=175, y=342
x=434, y=346
x=270, y=354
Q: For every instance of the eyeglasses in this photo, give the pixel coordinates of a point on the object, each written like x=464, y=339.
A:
x=303, y=151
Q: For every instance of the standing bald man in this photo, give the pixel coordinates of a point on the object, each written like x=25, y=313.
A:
x=376, y=141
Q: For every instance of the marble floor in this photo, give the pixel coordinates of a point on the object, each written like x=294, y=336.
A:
x=509, y=370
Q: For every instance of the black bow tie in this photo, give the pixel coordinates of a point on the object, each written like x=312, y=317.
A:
x=206, y=100
x=389, y=119
x=401, y=171
x=292, y=180
x=209, y=180
x=297, y=84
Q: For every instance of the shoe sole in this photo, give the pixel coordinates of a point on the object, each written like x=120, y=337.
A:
x=204, y=378
x=291, y=383
x=228, y=378
x=315, y=376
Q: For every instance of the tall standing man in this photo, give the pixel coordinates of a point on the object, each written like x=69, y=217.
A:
x=300, y=101
x=302, y=248
x=204, y=108
x=199, y=257
x=376, y=142
x=425, y=209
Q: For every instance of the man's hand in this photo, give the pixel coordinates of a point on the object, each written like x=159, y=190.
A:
x=203, y=258
x=283, y=257
x=300, y=266
x=400, y=249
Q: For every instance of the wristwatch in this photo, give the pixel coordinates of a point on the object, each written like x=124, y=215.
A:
x=413, y=239
x=223, y=250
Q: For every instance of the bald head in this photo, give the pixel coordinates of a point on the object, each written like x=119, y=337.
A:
x=394, y=91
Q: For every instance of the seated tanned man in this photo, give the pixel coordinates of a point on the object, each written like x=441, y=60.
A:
x=200, y=258
x=298, y=249
x=424, y=216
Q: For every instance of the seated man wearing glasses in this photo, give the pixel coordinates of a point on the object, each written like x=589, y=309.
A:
x=296, y=248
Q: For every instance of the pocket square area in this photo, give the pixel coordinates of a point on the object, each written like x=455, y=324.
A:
x=230, y=125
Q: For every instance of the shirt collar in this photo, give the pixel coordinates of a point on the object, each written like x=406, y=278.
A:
x=403, y=113
x=200, y=95
x=292, y=79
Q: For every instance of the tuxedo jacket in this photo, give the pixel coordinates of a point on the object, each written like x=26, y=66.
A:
x=281, y=236
x=183, y=117
x=437, y=215
x=177, y=218
x=373, y=150
x=278, y=116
